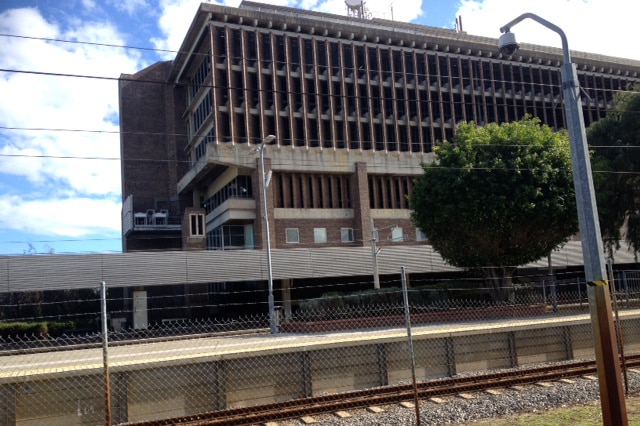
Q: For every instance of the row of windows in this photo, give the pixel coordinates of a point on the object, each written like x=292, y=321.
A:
x=340, y=93
x=319, y=235
x=238, y=187
x=332, y=191
x=198, y=79
x=389, y=192
x=316, y=55
x=202, y=112
x=201, y=148
x=311, y=191
x=234, y=237
x=346, y=235
x=231, y=237
x=319, y=191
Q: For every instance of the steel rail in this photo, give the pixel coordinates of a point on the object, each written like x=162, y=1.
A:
x=384, y=395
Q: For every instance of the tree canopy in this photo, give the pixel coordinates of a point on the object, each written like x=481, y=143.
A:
x=615, y=141
x=497, y=197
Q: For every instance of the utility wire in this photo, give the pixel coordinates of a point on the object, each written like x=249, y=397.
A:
x=89, y=43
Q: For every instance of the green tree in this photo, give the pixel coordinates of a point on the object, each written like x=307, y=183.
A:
x=615, y=142
x=497, y=197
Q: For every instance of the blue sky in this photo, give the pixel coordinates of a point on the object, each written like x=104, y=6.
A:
x=59, y=142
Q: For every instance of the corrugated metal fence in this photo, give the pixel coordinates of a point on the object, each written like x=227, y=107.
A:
x=59, y=272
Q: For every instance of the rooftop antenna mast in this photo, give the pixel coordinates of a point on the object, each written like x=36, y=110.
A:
x=356, y=8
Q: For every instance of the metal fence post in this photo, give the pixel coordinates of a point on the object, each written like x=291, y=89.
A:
x=626, y=287
x=407, y=319
x=105, y=354
x=579, y=292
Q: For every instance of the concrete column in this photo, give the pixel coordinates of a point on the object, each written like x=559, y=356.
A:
x=325, y=184
x=286, y=297
x=315, y=192
x=359, y=193
x=140, y=313
x=295, y=188
x=306, y=192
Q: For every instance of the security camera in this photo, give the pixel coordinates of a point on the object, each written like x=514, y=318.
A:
x=507, y=43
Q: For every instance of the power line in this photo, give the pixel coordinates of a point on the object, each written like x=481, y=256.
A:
x=446, y=92
x=311, y=162
x=58, y=40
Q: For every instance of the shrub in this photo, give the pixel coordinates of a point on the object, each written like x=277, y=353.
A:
x=44, y=328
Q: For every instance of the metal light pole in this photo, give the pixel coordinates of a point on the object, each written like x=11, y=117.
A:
x=606, y=349
x=375, y=236
x=374, y=256
x=265, y=212
x=105, y=352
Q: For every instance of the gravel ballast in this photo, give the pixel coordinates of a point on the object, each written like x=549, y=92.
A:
x=457, y=410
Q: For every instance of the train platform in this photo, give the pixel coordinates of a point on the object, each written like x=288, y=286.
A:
x=200, y=349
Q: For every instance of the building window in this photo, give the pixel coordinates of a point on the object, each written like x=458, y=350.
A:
x=290, y=190
x=239, y=187
x=203, y=111
x=346, y=235
x=396, y=234
x=196, y=222
x=319, y=235
x=293, y=236
x=231, y=237
x=420, y=236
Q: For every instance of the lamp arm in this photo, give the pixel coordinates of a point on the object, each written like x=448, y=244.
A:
x=553, y=27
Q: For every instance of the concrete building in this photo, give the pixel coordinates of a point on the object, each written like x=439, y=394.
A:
x=355, y=105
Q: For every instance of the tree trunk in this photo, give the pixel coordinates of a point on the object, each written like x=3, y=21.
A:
x=500, y=280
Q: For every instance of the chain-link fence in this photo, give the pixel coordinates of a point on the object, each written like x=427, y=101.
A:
x=181, y=350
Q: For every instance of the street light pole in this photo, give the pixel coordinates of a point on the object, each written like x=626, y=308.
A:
x=374, y=256
x=606, y=348
x=265, y=212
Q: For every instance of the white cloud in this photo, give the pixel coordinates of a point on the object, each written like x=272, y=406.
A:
x=595, y=26
x=70, y=217
x=176, y=15
x=45, y=158
x=130, y=6
x=174, y=21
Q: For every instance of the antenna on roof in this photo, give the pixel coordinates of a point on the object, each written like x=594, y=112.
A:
x=459, y=24
x=355, y=8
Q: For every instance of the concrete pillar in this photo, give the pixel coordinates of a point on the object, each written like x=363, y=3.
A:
x=359, y=193
x=140, y=314
x=286, y=297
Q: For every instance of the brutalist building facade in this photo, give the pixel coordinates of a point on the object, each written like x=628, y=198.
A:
x=355, y=105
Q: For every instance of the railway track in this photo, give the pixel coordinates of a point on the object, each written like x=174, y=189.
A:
x=385, y=395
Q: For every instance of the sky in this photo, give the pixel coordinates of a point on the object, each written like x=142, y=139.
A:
x=59, y=64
